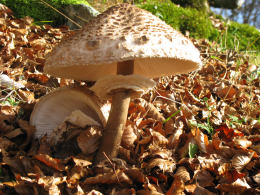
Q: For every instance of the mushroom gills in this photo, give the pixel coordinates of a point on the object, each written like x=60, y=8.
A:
x=52, y=109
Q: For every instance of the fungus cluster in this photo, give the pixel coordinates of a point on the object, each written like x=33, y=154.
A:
x=122, y=49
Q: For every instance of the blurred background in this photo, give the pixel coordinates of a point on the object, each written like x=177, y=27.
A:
x=248, y=12
x=242, y=11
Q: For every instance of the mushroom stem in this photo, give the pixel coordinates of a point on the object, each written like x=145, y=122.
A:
x=114, y=129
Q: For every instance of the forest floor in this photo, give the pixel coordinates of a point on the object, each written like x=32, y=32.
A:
x=195, y=133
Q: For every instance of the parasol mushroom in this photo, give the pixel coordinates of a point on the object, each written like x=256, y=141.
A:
x=124, y=43
x=53, y=108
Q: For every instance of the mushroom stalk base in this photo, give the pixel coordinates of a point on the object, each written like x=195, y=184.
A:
x=112, y=134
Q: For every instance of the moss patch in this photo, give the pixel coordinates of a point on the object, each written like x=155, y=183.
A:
x=197, y=4
x=184, y=19
x=240, y=37
x=40, y=11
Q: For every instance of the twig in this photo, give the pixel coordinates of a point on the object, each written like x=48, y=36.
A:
x=159, y=96
x=113, y=166
x=61, y=14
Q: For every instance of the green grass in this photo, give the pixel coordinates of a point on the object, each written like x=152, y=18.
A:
x=206, y=126
x=193, y=150
x=10, y=101
x=241, y=36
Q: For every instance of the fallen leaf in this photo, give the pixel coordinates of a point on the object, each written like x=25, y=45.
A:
x=50, y=162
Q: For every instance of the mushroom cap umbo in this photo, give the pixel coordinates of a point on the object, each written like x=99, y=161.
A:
x=53, y=108
x=123, y=32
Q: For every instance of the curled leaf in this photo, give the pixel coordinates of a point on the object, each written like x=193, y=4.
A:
x=239, y=161
x=116, y=177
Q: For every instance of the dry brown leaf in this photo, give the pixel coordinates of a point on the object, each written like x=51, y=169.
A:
x=239, y=161
x=15, y=164
x=169, y=127
x=124, y=191
x=256, y=178
x=210, y=163
x=162, y=164
x=125, y=154
x=51, y=184
x=5, y=123
x=152, y=111
x=94, y=192
x=129, y=136
x=148, y=192
x=182, y=174
x=174, y=139
x=229, y=92
x=176, y=188
x=228, y=134
x=256, y=148
x=201, y=140
x=44, y=147
x=136, y=175
x=236, y=187
x=81, y=162
x=242, y=142
x=203, y=178
x=7, y=110
x=156, y=152
x=29, y=130
x=159, y=139
x=200, y=190
x=26, y=96
x=29, y=188
x=145, y=140
x=75, y=174
x=14, y=133
x=190, y=188
x=184, y=148
x=89, y=140
x=232, y=175
x=50, y=162
x=117, y=177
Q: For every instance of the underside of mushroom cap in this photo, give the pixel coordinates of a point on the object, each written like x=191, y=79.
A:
x=136, y=84
x=123, y=32
x=53, y=108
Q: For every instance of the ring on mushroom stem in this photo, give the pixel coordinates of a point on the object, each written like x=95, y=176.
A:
x=127, y=41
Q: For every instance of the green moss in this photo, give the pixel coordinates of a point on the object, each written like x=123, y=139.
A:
x=40, y=11
x=197, y=4
x=184, y=19
x=242, y=37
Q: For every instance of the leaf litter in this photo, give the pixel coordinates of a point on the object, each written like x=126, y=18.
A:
x=192, y=134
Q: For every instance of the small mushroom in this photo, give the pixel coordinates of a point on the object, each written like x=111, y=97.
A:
x=53, y=108
x=121, y=42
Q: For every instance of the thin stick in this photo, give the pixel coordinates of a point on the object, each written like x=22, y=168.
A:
x=61, y=14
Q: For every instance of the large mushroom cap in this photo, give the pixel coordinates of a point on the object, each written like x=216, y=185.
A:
x=123, y=32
